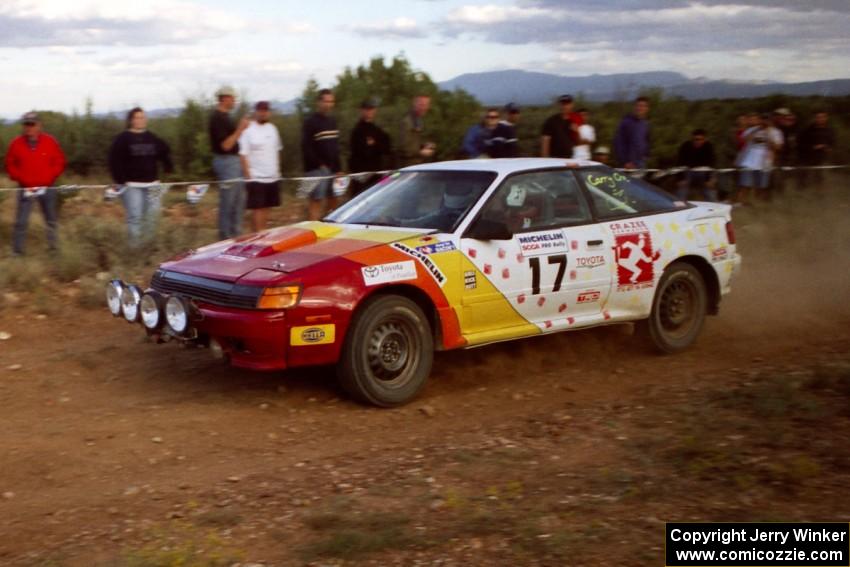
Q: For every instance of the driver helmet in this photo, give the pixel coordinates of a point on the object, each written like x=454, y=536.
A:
x=457, y=196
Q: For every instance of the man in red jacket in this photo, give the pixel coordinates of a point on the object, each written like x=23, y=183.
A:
x=35, y=161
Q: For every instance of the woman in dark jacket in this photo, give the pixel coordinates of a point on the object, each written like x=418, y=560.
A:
x=133, y=161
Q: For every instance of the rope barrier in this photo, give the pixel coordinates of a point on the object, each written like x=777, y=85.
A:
x=197, y=189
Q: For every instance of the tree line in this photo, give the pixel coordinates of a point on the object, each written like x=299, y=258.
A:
x=86, y=137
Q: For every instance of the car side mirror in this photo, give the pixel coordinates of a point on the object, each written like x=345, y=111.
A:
x=485, y=229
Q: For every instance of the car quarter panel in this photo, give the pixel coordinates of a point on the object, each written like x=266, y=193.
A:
x=645, y=246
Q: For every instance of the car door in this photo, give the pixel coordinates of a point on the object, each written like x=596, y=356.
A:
x=552, y=273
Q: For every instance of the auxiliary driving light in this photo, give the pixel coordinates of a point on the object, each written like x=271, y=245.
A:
x=114, y=289
x=130, y=298
x=177, y=314
x=151, y=307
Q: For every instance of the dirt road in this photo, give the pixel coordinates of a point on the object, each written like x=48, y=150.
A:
x=119, y=452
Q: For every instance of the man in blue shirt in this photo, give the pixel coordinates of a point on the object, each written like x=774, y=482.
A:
x=631, y=142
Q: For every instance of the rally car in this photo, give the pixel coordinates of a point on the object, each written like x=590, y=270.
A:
x=443, y=256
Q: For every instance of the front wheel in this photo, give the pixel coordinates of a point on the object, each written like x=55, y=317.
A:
x=678, y=309
x=388, y=352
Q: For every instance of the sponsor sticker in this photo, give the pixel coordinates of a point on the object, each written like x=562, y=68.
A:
x=429, y=264
x=589, y=296
x=590, y=261
x=541, y=243
x=719, y=254
x=312, y=335
x=231, y=258
x=635, y=259
x=386, y=273
x=470, y=280
x=436, y=248
x=628, y=227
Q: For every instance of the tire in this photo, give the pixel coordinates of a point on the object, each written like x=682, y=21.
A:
x=678, y=309
x=388, y=352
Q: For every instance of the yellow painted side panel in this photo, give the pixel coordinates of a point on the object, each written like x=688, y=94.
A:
x=484, y=314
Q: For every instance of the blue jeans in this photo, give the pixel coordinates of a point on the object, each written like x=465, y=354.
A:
x=758, y=178
x=701, y=180
x=142, y=205
x=48, y=203
x=324, y=188
x=231, y=196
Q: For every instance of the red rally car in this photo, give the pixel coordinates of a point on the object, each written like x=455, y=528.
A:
x=444, y=256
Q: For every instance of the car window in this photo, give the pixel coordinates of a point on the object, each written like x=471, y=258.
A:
x=615, y=194
x=417, y=199
x=538, y=200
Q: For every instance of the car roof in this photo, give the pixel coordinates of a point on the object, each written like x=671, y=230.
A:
x=502, y=166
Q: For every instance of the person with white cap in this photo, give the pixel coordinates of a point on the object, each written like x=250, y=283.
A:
x=224, y=140
x=602, y=154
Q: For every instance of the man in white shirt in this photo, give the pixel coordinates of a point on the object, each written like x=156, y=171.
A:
x=259, y=151
x=761, y=144
x=586, y=136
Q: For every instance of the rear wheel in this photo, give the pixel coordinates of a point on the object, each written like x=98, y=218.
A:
x=678, y=309
x=388, y=352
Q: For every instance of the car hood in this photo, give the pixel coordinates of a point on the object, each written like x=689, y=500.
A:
x=283, y=250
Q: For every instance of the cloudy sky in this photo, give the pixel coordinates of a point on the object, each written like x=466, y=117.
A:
x=55, y=53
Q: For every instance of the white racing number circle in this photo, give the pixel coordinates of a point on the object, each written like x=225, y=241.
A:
x=130, y=298
x=150, y=308
x=176, y=315
x=114, y=290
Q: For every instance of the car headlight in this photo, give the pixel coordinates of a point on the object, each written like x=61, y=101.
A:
x=114, y=289
x=279, y=297
x=130, y=299
x=151, y=310
x=177, y=314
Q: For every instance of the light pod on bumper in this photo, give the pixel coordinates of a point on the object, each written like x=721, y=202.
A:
x=114, y=289
x=177, y=315
x=151, y=307
x=130, y=299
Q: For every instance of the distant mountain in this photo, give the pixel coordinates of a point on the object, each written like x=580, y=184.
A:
x=526, y=87
x=732, y=89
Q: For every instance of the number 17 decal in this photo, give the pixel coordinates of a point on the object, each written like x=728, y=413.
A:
x=560, y=259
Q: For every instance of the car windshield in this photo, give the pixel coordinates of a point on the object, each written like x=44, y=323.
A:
x=417, y=199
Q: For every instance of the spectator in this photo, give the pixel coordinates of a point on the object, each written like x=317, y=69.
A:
x=602, y=154
x=505, y=141
x=697, y=153
x=478, y=142
x=786, y=122
x=370, y=147
x=558, y=131
x=743, y=122
x=762, y=142
x=320, y=149
x=133, y=163
x=586, y=136
x=815, y=146
x=224, y=141
x=34, y=160
x=414, y=147
x=259, y=153
x=631, y=142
